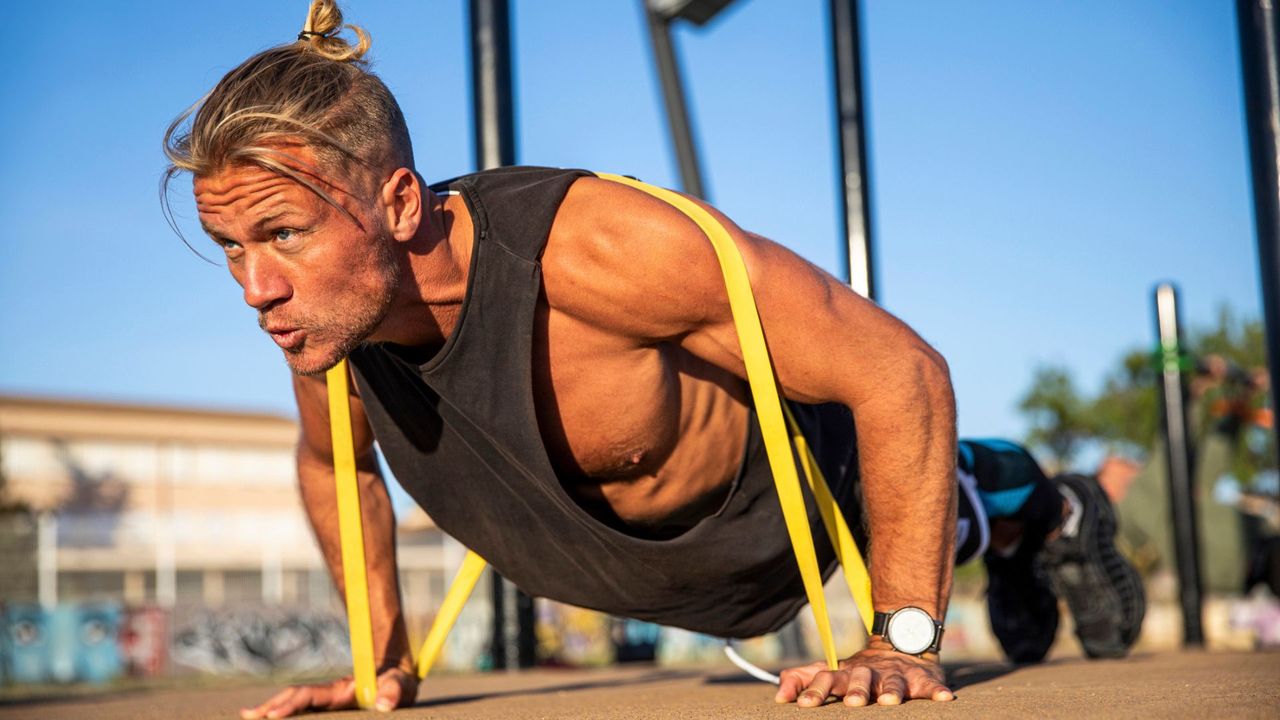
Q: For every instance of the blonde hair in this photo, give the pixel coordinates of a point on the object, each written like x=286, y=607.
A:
x=317, y=90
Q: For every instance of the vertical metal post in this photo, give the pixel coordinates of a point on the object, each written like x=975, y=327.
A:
x=1259, y=26
x=47, y=558
x=491, y=97
x=166, y=530
x=673, y=98
x=493, y=105
x=855, y=203
x=1179, y=451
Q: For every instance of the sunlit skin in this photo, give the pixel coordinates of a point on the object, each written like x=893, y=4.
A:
x=634, y=310
x=321, y=280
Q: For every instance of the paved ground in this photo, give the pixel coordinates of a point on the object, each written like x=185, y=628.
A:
x=1193, y=685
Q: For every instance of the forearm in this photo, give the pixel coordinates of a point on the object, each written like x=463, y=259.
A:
x=907, y=454
x=319, y=496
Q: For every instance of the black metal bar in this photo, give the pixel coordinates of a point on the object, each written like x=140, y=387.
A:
x=493, y=105
x=1259, y=26
x=1180, y=454
x=491, y=95
x=855, y=204
x=527, y=640
x=673, y=98
x=498, y=637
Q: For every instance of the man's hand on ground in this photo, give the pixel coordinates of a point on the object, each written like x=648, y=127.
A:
x=877, y=674
x=396, y=688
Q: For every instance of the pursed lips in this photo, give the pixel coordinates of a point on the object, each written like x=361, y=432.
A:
x=285, y=337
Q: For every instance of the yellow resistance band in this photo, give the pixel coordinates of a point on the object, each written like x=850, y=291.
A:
x=774, y=428
x=472, y=567
x=351, y=530
x=775, y=421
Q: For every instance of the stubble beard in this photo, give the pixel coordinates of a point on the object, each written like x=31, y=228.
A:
x=334, y=332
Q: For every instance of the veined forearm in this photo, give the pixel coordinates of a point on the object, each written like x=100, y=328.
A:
x=319, y=496
x=907, y=454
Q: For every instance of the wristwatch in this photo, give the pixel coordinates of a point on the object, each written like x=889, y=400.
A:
x=909, y=630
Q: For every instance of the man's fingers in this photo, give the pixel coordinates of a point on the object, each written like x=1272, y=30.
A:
x=259, y=712
x=924, y=687
x=337, y=695
x=892, y=690
x=819, y=688
x=857, y=690
x=790, y=684
x=303, y=699
x=272, y=705
x=936, y=692
x=341, y=695
x=391, y=688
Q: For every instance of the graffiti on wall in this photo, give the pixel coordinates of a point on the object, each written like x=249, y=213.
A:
x=68, y=643
x=98, y=642
x=261, y=641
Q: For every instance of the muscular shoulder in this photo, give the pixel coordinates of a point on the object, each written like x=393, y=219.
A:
x=620, y=258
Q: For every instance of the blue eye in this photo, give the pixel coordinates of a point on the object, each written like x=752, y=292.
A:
x=283, y=234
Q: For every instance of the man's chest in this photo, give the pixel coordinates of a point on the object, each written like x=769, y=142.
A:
x=646, y=429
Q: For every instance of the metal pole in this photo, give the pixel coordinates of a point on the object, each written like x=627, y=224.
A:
x=1259, y=26
x=664, y=55
x=491, y=97
x=855, y=203
x=495, y=145
x=166, y=527
x=47, y=558
x=1179, y=453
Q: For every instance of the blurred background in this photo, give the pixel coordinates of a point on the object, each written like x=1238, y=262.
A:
x=1034, y=169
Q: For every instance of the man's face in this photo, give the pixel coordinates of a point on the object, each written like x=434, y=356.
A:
x=320, y=281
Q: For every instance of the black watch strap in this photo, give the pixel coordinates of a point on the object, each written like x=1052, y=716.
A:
x=880, y=626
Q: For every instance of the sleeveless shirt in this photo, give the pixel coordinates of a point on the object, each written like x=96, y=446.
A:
x=459, y=431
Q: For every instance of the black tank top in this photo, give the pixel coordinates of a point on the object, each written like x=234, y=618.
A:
x=459, y=431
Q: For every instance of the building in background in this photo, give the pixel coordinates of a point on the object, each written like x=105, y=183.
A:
x=183, y=510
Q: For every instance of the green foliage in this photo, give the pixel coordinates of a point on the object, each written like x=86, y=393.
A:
x=1126, y=411
x=1243, y=343
x=1057, y=413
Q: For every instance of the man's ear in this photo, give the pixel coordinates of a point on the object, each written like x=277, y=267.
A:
x=401, y=198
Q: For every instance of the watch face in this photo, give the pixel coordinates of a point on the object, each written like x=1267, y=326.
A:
x=911, y=630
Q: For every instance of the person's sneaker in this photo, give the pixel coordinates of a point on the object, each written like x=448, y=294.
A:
x=1102, y=589
x=1022, y=607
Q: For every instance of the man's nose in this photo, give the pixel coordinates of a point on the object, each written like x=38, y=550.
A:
x=264, y=285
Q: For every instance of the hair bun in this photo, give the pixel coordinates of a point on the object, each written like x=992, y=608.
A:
x=320, y=33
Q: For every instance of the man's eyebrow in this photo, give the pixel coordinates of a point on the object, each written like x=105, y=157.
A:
x=266, y=219
x=210, y=231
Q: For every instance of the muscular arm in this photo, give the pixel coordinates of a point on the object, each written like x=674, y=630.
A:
x=828, y=344
x=319, y=497
x=397, y=682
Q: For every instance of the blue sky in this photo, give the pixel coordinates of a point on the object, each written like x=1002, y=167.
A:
x=1035, y=169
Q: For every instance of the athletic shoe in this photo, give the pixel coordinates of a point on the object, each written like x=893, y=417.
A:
x=1021, y=605
x=1102, y=589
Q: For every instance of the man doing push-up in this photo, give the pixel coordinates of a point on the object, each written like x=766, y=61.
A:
x=549, y=365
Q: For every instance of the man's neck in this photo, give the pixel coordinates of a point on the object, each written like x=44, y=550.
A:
x=434, y=266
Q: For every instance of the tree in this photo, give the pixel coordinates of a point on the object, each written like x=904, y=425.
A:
x=1057, y=414
x=1227, y=387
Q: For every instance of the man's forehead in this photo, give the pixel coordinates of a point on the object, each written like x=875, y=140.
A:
x=234, y=195
x=251, y=183
x=240, y=180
